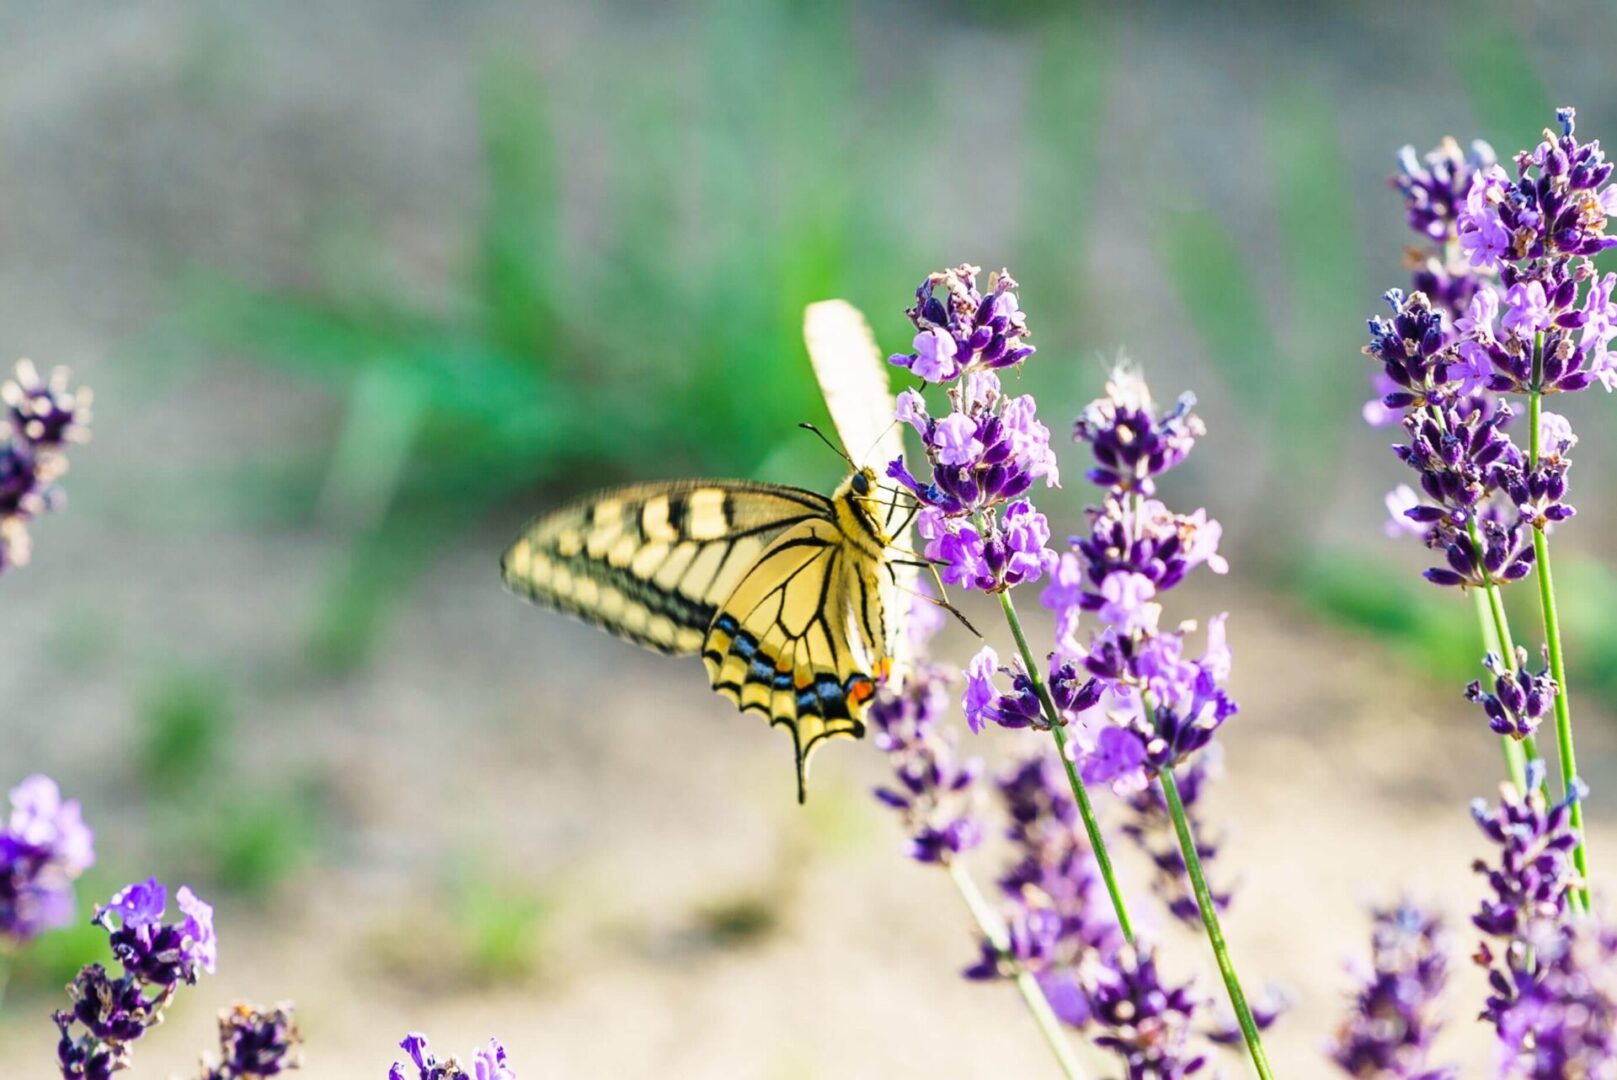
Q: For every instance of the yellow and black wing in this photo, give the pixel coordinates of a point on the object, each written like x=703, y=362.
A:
x=653, y=563
x=802, y=638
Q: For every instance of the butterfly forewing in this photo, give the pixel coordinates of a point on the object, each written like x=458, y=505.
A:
x=653, y=562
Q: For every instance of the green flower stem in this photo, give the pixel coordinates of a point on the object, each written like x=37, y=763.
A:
x=1215, y=935
x=1515, y=758
x=1080, y=794
x=1037, y=1004
x=1507, y=645
x=1552, y=631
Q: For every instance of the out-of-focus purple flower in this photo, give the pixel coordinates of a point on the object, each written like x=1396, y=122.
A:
x=1400, y=501
x=1060, y=923
x=154, y=951
x=1151, y=828
x=44, y=847
x=1534, y=872
x=1530, y=883
x=44, y=416
x=1268, y=1006
x=1147, y=1022
x=1520, y=699
x=255, y=1043
x=965, y=330
x=1563, y=1022
x=1126, y=603
x=933, y=788
x=488, y=1063
x=1395, y=1016
x=1435, y=187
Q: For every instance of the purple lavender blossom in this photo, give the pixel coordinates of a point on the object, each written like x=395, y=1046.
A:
x=1519, y=700
x=1436, y=186
x=488, y=1063
x=1148, y=1023
x=965, y=330
x=255, y=1043
x=933, y=789
x=1534, y=872
x=1151, y=828
x=156, y=958
x=1395, y=1017
x=986, y=452
x=44, y=847
x=1564, y=1023
x=1060, y=923
x=154, y=951
x=1132, y=443
x=43, y=416
x=1072, y=691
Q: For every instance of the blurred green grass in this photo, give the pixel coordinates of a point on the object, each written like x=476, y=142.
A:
x=651, y=327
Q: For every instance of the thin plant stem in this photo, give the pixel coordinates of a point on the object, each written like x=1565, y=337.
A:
x=1215, y=934
x=1515, y=758
x=1038, y=1006
x=1502, y=637
x=1552, y=631
x=7, y=956
x=1080, y=794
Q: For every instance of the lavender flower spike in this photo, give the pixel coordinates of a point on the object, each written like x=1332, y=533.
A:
x=1394, y=1020
x=488, y=1063
x=255, y=1043
x=44, y=847
x=44, y=416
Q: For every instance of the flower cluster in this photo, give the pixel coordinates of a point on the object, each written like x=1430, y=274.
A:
x=255, y=1043
x=488, y=1063
x=1062, y=929
x=1544, y=326
x=1395, y=1018
x=1520, y=699
x=1135, y=700
x=43, y=416
x=109, y=1014
x=985, y=453
x=933, y=789
x=1564, y=1024
x=44, y=846
x=1530, y=884
x=1148, y=1022
x=1151, y=828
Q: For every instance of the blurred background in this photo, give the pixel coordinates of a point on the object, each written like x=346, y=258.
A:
x=361, y=286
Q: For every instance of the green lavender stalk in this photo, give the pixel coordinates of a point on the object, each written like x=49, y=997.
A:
x=1037, y=1004
x=1552, y=631
x=1080, y=794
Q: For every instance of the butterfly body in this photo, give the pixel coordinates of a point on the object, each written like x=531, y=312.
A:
x=789, y=596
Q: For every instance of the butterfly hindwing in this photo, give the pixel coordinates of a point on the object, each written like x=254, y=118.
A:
x=799, y=638
x=652, y=563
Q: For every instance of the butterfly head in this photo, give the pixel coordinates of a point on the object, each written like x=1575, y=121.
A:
x=861, y=506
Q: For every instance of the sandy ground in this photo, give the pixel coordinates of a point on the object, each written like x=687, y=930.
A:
x=556, y=761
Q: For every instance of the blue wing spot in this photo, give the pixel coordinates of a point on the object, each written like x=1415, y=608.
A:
x=805, y=699
x=728, y=624
x=783, y=680
x=761, y=671
x=744, y=645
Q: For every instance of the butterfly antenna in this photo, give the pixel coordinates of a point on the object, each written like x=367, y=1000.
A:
x=835, y=449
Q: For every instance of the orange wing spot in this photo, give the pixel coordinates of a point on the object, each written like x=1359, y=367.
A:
x=861, y=691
